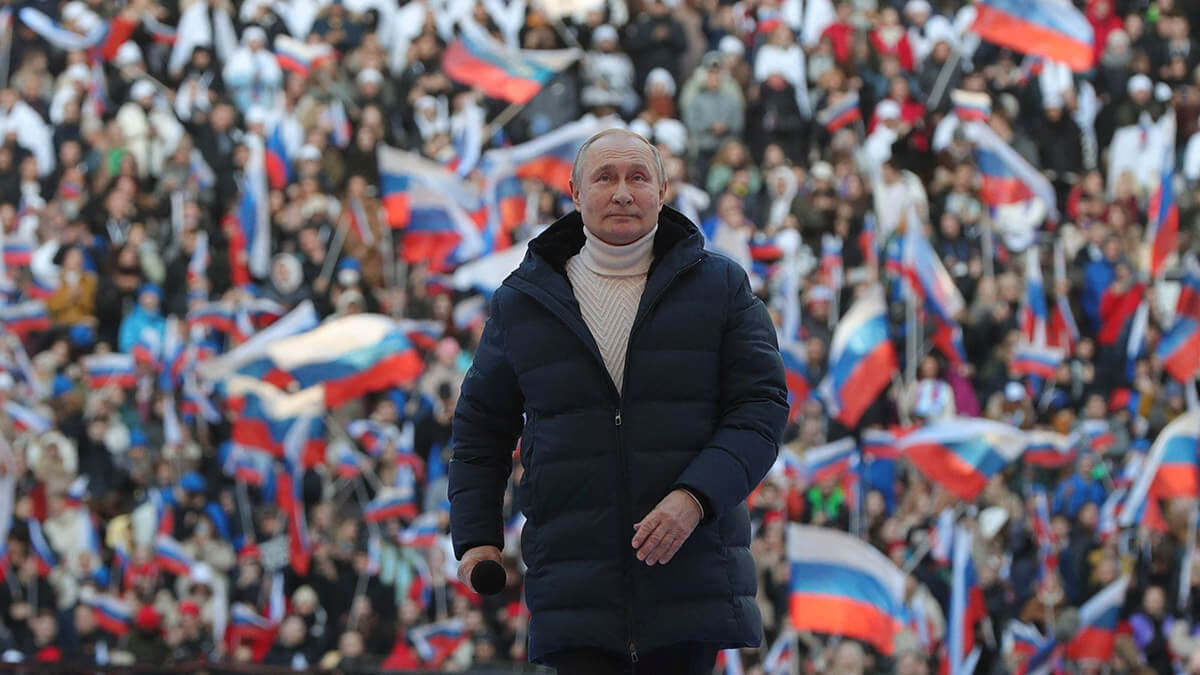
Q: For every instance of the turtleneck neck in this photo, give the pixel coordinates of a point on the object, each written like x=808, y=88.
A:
x=609, y=260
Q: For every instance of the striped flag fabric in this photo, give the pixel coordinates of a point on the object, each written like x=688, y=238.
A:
x=110, y=369
x=1052, y=29
x=1099, y=617
x=862, y=359
x=962, y=454
x=842, y=586
x=24, y=318
x=514, y=75
x=1170, y=469
x=841, y=114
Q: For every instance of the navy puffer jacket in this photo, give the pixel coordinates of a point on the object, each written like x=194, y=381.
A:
x=703, y=407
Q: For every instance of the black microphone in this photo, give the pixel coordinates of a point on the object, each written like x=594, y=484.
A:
x=488, y=577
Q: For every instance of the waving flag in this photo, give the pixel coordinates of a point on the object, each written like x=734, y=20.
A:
x=928, y=276
x=962, y=454
x=514, y=75
x=967, y=608
x=971, y=105
x=842, y=586
x=278, y=160
x=1162, y=230
x=27, y=419
x=25, y=317
x=373, y=436
x=1049, y=450
x=422, y=532
x=862, y=360
x=1043, y=362
x=782, y=654
x=101, y=43
x=1034, y=315
x=830, y=460
x=265, y=414
x=349, y=356
x=391, y=503
x=831, y=262
x=253, y=211
x=841, y=114
x=547, y=158
x=1169, y=470
x=1053, y=29
x=1007, y=177
x=110, y=369
x=215, y=315
x=439, y=215
x=247, y=624
x=1179, y=348
x=169, y=555
x=42, y=553
x=112, y=614
x=301, y=57
x=799, y=386
x=17, y=253
x=1098, y=630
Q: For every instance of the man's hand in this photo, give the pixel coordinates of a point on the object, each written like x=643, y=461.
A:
x=660, y=534
x=473, y=557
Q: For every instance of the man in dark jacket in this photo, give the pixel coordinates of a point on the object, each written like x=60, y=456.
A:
x=653, y=399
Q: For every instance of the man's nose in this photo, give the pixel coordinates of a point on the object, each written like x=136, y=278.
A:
x=622, y=194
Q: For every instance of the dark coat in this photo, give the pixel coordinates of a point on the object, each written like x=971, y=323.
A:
x=703, y=407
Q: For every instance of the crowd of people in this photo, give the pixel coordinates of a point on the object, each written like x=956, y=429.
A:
x=134, y=531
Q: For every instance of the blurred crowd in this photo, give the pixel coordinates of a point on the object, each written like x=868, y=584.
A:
x=127, y=129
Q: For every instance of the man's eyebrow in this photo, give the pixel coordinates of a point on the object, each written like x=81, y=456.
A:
x=609, y=167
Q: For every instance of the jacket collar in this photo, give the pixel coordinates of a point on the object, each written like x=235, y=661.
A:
x=677, y=243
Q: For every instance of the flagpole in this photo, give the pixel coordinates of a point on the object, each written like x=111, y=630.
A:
x=1185, y=571
x=503, y=118
x=335, y=250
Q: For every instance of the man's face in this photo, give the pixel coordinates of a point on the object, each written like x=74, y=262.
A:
x=619, y=193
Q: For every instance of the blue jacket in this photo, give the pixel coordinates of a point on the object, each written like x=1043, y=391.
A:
x=133, y=325
x=703, y=407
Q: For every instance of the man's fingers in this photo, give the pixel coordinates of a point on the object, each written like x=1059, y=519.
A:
x=659, y=554
x=666, y=556
x=644, y=528
x=652, y=543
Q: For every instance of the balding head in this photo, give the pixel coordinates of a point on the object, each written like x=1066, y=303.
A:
x=616, y=131
x=618, y=187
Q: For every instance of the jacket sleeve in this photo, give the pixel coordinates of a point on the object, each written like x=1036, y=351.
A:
x=754, y=409
x=487, y=421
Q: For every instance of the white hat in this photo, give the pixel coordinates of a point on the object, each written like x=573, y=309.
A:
x=1140, y=83
x=731, y=45
x=661, y=76
x=73, y=10
x=921, y=6
x=128, y=54
x=256, y=115
x=672, y=134
x=254, y=33
x=642, y=128
x=309, y=153
x=821, y=171
x=1014, y=392
x=369, y=76
x=1162, y=92
x=820, y=294
x=79, y=72
x=141, y=89
x=88, y=22
x=888, y=110
x=604, y=33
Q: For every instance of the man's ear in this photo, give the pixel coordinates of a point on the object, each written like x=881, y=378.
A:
x=574, y=189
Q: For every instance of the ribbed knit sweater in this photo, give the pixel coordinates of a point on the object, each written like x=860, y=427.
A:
x=608, y=282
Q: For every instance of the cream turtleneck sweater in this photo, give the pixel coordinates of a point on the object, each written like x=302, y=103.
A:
x=608, y=282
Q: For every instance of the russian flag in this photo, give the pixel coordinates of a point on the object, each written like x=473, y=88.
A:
x=971, y=105
x=169, y=556
x=350, y=356
x=1062, y=331
x=547, y=159
x=1049, y=450
x=1188, y=303
x=442, y=217
x=967, y=606
x=290, y=501
x=435, y=642
x=373, y=436
x=831, y=262
x=245, y=623
x=42, y=553
x=41, y=289
x=841, y=114
x=300, y=57
x=842, y=586
x=879, y=444
x=927, y=274
x=1007, y=177
x=1179, y=349
x=830, y=460
x=767, y=249
x=1052, y=29
x=862, y=359
x=1098, y=434
x=26, y=419
x=249, y=466
x=265, y=415
x=506, y=203
x=112, y=614
x=424, y=334
x=780, y=656
x=1098, y=620
x=349, y=464
x=1034, y=315
x=278, y=161
x=1162, y=230
x=948, y=339
x=514, y=75
x=215, y=315
x=1117, y=311
x=110, y=369
x=356, y=219
x=1031, y=359
x=1169, y=470
x=24, y=318
x=423, y=532
x=795, y=368
x=1022, y=639
x=962, y=454
x=391, y=503
x=17, y=253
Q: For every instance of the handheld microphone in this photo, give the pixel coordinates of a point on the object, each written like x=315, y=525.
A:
x=488, y=577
